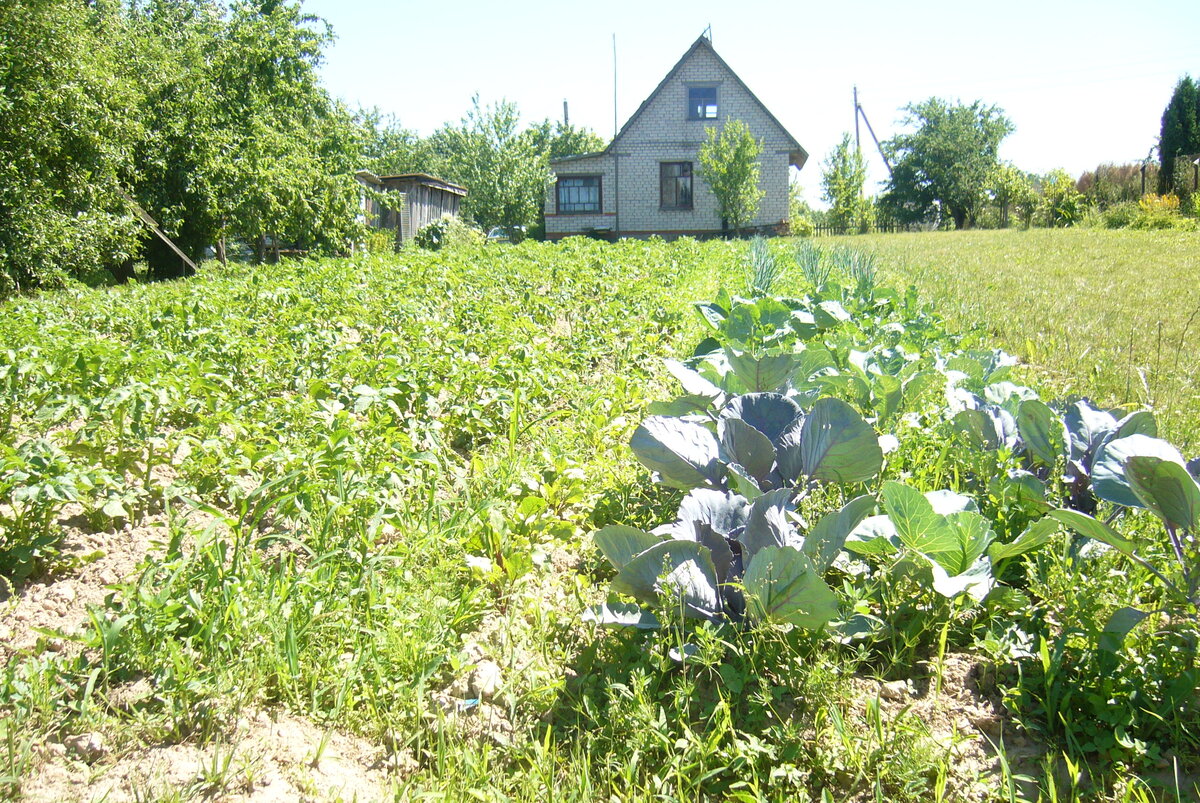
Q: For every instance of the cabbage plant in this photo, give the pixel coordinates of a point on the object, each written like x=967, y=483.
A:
x=762, y=442
x=945, y=532
x=726, y=558
x=1149, y=473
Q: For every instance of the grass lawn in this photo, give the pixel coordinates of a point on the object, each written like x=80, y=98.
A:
x=1112, y=315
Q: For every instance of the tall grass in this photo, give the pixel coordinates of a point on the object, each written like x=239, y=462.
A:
x=1111, y=315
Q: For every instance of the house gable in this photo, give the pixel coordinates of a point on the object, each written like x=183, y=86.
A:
x=647, y=181
x=701, y=66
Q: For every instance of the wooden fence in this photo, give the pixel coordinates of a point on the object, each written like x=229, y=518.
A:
x=831, y=230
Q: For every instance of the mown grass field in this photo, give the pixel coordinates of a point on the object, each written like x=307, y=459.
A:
x=325, y=531
x=1114, y=315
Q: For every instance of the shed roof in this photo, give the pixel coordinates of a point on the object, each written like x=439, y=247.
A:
x=424, y=179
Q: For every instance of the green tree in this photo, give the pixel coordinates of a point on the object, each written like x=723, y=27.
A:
x=505, y=175
x=842, y=180
x=1180, y=135
x=68, y=131
x=729, y=165
x=558, y=139
x=1013, y=191
x=946, y=163
x=391, y=149
x=244, y=142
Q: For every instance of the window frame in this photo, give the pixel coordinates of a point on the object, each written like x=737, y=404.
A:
x=691, y=187
x=558, y=188
x=693, y=110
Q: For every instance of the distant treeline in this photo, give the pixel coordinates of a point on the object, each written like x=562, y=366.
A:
x=211, y=116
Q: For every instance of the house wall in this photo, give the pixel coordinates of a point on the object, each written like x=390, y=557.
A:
x=663, y=133
x=560, y=225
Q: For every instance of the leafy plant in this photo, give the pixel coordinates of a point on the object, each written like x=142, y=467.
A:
x=728, y=559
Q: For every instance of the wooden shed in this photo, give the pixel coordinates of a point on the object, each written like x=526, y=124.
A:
x=421, y=199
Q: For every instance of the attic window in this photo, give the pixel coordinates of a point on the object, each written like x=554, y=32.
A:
x=702, y=103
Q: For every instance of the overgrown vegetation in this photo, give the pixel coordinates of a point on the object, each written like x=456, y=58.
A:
x=375, y=482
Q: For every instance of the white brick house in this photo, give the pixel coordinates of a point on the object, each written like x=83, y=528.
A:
x=647, y=181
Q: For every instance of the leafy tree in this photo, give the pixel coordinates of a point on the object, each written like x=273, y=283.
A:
x=68, y=128
x=800, y=214
x=244, y=141
x=1012, y=190
x=1180, y=133
x=729, y=165
x=842, y=180
x=504, y=173
x=391, y=149
x=946, y=163
x=557, y=139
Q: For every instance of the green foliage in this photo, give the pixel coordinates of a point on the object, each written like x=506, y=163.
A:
x=946, y=163
x=1180, y=134
x=447, y=232
x=556, y=139
x=68, y=131
x=1013, y=191
x=729, y=165
x=391, y=149
x=1111, y=185
x=210, y=114
x=800, y=214
x=503, y=171
x=1061, y=204
x=842, y=180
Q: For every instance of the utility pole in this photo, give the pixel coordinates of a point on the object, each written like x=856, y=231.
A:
x=857, y=137
x=566, y=117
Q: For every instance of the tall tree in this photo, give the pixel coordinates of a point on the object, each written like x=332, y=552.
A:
x=729, y=165
x=1012, y=189
x=68, y=130
x=946, y=162
x=1180, y=133
x=504, y=174
x=842, y=180
x=558, y=139
x=392, y=149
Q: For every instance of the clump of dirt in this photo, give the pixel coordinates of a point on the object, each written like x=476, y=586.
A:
x=266, y=758
x=965, y=717
x=61, y=602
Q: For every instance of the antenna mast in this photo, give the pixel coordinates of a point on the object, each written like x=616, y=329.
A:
x=614, y=85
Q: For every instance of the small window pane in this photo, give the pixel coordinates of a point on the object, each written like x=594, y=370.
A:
x=702, y=102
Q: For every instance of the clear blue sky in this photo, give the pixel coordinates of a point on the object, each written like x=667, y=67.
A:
x=1083, y=82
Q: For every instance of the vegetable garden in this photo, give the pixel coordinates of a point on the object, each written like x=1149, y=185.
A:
x=518, y=523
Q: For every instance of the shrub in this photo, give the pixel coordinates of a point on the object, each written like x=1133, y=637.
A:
x=1120, y=216
x=447, y=232
x=1062, y=204
x=1159, y=212
x=380, y=241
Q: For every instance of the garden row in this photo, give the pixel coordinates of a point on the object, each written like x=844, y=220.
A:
x=372, y=482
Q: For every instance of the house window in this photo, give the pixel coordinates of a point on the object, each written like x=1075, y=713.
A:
x=578, y=195
x=702, y=103
x=675, y=185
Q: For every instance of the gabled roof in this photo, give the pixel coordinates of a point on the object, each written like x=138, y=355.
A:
x=798, y=154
